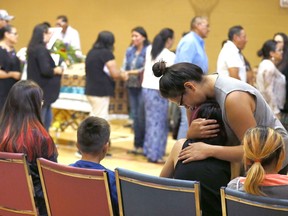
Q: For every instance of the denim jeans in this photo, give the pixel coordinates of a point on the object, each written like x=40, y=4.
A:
x=182, y=132
x=137, y=114
x=46, y=115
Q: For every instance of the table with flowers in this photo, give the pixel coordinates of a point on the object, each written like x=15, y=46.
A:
x=72, y=106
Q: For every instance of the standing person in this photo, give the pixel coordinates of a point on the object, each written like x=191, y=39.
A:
x=10, y=71
x=42, y=69
x=22, y=131
x=270, y=81
x=92, y=140
x=5, y=18
x=242, y=106
x=230, y=60
x=101, y=70
x=134, y=64
x=191, y=48
x=282, y=38
x=156, y=107
x=264, y=153
x=212, y=173
x=68, y=34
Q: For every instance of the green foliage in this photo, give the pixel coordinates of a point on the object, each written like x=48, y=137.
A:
x=66, y=52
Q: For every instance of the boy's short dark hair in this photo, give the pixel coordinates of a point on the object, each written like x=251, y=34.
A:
x=92, y=134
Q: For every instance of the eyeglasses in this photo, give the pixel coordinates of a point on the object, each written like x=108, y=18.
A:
x=279, y=50
x=14, y=33
x=181, y=100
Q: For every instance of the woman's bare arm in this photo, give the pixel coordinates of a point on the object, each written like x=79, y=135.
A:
x=240, y=107
x=168, y=168
x=114, y=71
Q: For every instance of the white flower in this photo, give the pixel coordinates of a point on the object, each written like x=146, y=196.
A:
x=22, y=54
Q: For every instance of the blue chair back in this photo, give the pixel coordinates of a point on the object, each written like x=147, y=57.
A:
x=238, y=203
x=142, y=195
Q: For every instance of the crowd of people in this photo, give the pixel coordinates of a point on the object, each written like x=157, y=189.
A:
x=229, y=128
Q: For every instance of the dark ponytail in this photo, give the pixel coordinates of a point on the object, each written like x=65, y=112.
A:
x=160, y=41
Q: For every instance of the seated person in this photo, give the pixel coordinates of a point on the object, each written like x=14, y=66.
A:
x=263, y=157
x=211, y=172
x=22, y=131
x=92, y=141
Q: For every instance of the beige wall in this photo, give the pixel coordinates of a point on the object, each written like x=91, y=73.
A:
x=260, y=18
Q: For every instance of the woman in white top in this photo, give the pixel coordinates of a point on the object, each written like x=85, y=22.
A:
x=270, y=81
x=156, y=107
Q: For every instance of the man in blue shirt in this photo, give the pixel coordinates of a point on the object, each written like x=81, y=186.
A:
x=191, y=48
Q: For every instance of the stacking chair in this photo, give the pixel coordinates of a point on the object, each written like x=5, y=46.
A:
x=16, y=187
x=74, y=191
x=238, y=203
x=142, y=195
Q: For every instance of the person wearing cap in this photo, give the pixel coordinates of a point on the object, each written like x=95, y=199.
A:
x=4, y=18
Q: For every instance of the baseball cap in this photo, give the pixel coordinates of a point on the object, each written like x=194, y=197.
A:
x=5, y=16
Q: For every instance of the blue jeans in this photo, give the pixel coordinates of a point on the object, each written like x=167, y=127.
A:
x=182, y=132
x=138, y=115
x=46, y=115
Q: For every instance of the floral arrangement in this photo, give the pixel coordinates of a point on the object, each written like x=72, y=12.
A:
x=22, y=55
x=67, y=52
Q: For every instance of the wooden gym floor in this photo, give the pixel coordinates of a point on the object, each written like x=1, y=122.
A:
x=122, y=141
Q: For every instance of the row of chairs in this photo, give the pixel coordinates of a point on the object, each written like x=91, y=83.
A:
x=77, y=191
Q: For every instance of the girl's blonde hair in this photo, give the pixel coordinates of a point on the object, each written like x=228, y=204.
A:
x=263, y=146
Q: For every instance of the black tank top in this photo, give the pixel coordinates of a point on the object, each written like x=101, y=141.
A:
x=212, y=173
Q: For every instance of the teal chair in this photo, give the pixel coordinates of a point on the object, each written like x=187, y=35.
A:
x=142, y=195
x=238, y=203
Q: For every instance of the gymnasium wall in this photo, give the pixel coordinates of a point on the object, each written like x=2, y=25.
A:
x=260, y=18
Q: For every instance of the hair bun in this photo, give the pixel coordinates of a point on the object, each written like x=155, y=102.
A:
x=159, y=68
x=260, y=53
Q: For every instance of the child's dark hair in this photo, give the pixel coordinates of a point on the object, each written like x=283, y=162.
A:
x=92, y=134
x=211, y=110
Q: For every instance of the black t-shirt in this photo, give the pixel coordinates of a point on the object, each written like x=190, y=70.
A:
x=8, y=62
x=212, y=173
x=98, y=82
x=40, y=69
